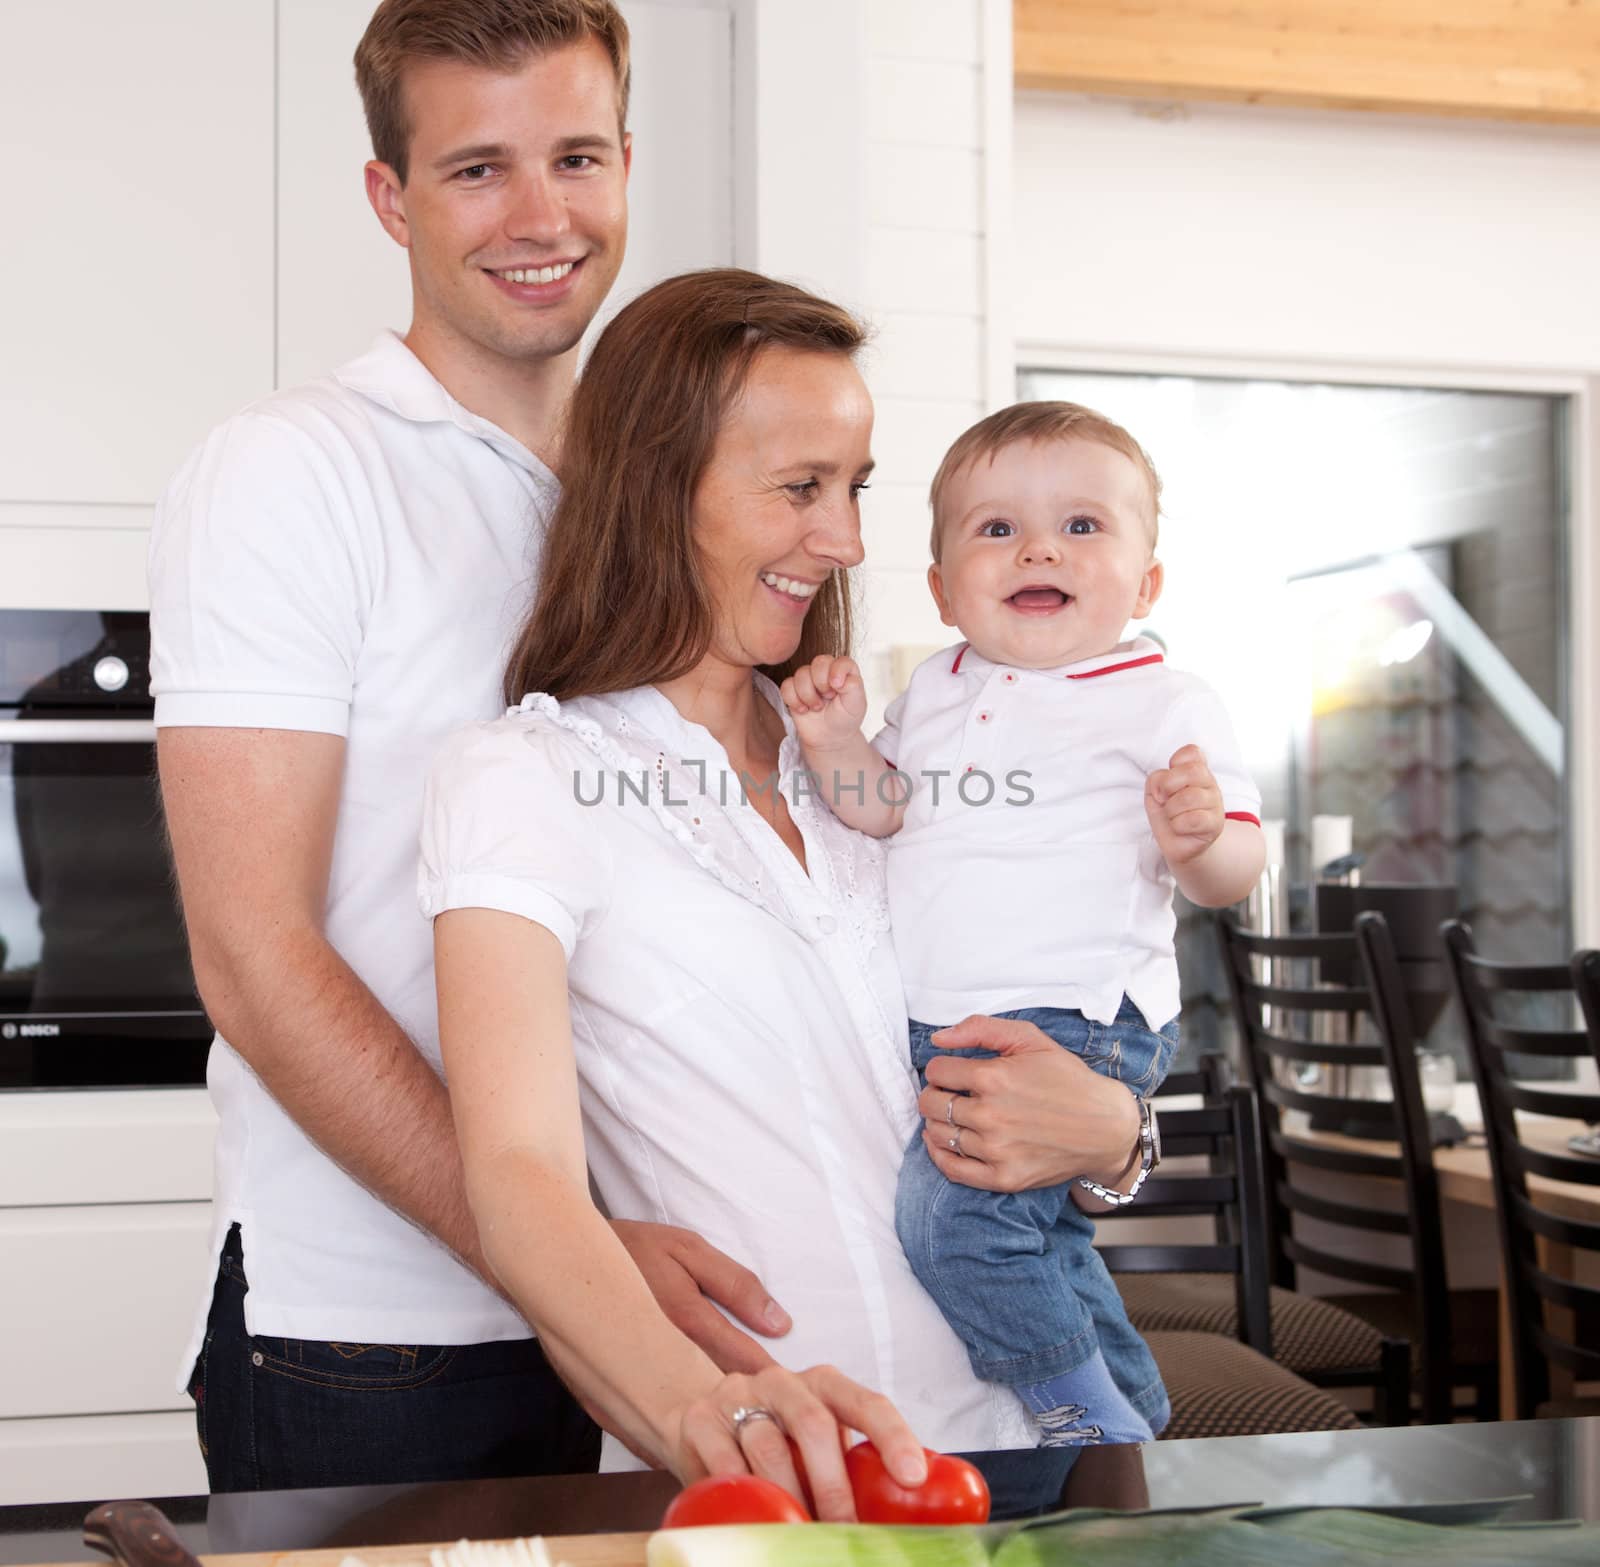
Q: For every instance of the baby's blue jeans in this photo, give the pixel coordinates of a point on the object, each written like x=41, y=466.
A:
x=1016, y=1273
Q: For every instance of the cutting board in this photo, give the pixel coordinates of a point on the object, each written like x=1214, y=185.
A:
x=580, y=1550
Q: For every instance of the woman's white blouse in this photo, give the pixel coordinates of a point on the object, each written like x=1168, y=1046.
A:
x=739, y=1025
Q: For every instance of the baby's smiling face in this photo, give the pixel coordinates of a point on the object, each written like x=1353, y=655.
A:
x=1046, y=552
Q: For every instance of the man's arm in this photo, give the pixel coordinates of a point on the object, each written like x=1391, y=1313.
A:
x=251, y=816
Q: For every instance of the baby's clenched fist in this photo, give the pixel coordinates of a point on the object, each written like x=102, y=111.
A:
x=1184, y=806
x=827, y=700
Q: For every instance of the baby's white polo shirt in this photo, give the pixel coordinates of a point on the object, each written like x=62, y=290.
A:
x=351, y=557
x=1027, y=875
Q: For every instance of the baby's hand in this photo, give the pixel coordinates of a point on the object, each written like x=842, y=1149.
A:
x=827, y=701
x=1184, y=806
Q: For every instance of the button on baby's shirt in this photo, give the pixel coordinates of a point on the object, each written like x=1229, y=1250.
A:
x=984, y=717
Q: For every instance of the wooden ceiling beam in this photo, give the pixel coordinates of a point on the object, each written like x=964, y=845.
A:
x=1499, y=59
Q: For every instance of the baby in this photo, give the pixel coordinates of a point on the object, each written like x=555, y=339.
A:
x=1046, y=784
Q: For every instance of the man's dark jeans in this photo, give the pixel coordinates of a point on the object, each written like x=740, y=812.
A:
x=277, y=1413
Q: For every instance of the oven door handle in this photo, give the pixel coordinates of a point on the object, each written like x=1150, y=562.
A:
x=78, y=731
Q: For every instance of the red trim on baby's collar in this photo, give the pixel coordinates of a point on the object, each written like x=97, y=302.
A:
x=961, y=653
x=1111, y=669
x=1242, y=816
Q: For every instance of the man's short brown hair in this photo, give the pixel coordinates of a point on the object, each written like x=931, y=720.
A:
x=1024, y=422
x=498, y=35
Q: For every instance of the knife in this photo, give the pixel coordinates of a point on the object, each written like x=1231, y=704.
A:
x=137, y=1535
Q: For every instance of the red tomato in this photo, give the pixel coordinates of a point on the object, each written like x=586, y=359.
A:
x=732, y=1499
x=954, y=1491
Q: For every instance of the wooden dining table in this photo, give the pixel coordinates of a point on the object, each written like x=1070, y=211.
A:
x=1464, y=1177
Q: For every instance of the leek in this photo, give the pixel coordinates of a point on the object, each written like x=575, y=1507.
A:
x=817, y=1545
x=1448, y=1536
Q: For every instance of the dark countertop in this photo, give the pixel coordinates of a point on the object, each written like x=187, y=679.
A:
x=1554, y=1463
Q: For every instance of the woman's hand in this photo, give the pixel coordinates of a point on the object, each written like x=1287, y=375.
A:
x=817, y=1409
x=1035, y=1115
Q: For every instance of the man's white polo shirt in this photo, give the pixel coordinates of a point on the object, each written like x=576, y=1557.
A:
x=351, y=557
x=1026, y=874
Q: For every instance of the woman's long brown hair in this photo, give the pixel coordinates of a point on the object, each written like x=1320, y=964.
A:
x=622, y=599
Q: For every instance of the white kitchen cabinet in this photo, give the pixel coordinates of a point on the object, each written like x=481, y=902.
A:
x=99, y=1458
x=136, y=277
x=87, y=1148
x=341, y=278
x=45, y=564
x=109, y=1301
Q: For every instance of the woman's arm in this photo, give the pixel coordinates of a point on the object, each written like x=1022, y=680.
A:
x=1034, y=1115
x=503, y=1022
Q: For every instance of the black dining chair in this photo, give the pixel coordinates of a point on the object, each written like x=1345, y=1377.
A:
x=1528, y=1213
x=1218, y=1385
x=1300, y=1040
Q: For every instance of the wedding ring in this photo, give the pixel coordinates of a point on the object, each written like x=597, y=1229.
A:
x=744, y=1414
x=950, y=1110
x=955, y=1142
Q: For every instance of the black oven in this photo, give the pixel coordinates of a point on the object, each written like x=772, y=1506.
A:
x=95, y=984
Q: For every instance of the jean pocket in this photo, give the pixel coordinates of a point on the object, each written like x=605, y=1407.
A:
x=357, y=1367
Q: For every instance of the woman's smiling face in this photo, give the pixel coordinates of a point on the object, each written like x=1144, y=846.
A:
x=777, y=509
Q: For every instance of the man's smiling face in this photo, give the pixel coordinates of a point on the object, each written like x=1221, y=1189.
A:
x=515, y=206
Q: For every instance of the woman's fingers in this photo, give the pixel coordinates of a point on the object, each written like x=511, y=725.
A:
x=706, y=1442
x=816, y=1409
x=958, y=1142
x=860, y=1409
x=811, y=1424
x=765, y=1450
x=964, y=1171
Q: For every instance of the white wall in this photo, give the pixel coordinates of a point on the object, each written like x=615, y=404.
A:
x=937, y=159
x=1439, y=252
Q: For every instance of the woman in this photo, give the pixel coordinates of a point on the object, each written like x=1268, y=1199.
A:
x=631, y=917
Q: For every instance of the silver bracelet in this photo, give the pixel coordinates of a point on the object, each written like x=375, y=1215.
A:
x=1149, y=1158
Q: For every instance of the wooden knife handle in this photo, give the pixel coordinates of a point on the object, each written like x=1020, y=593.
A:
x=136, y=1534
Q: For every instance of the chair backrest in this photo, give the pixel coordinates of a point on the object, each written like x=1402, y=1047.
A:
x=1224, y=1129
x=1526, y=1207
x=1293, y=1020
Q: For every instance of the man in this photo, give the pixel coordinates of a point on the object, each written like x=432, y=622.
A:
x=334, y=578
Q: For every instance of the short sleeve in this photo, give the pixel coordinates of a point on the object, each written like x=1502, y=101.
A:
x=887, y=740
x=256, y=607
x=1199, y=718
x=505, y=826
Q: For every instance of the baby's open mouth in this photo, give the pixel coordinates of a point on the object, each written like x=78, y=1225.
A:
x=1037, y=598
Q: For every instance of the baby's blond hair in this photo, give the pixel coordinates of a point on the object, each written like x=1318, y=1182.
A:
x=1023, y=422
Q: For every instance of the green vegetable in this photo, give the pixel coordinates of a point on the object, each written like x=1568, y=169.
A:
x=1451, y=1535
x=817, y=1545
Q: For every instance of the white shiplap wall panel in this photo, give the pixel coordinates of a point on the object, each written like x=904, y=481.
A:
x=926, y=187
x=919, y=269
x=924, y=103
x=894, y=528
x=926, y=356
x=934, y=69
x=947, y=30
